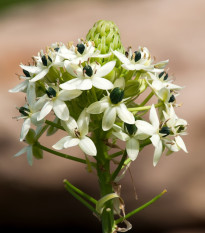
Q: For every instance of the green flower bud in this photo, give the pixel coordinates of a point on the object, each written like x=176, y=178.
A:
x=105, y=35
x=116, y=95
x=30, y=137
x=51, y=92
x=165, y=130
x=132, y=88
x=24, y=111
x=130, y=128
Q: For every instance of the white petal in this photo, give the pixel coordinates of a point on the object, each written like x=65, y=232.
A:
x=45, y=110
x=102, y=83
x=65, y=95
x=34, y=119
x=121, y=57
x=22, y=151
x=70, y=125
x=108, y=118
x=60, y=144
x=145, y=127
x=41, y=75
x=31, y=94
x=101, y=55
x=106, y=69
x=87, y=146
x=157, y=153
x=98, y=107
x=31, y=69
x=30, y=155
x=25, y=129
x=71, y=142
x=121, y=135
x=131, y=66
x=164, y=94
x=157, y=85
x=61, y=110
x=71, y=84
x=132, y=148
x=21, y=87
x=180, y=143
x=124, y=114
x=83, y=122
x=39, y=104
x=85, y=84
x=153, y=117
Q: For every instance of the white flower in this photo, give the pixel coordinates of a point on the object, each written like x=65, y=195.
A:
x=29, y=112
x=77, y=135
x=175, y=145
x=29, y=151
x=88, y=76
x=128, y=134
x=153, y=130
x=44, y=63
x=54, y=99
x=112, y=105
x=139, y=60
x=23, y=86
x=81, y=53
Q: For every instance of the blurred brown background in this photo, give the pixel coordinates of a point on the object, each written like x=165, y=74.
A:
x=33, y=198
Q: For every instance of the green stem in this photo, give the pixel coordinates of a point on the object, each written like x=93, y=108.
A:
x=64, y=155
x=140, y=208
x=41, y=132
x=54, y=125
x=142, y=108
x=79, y=198
x=80, y=192
x=119, y=167
x=103, y=171
x=116, y=154
x=147, y=99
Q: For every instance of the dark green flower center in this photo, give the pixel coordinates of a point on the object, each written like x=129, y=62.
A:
x=24, y=111
x=45, y=59
x=27, y=74
x=51, y=92
x=172, y=99
x=116, y=95
x=165, y=130
x=164, y=75
x=130, y=128
x=181, y=128
x=137, y=56
x=56, y=49
x=80, y=48
x=88, y=70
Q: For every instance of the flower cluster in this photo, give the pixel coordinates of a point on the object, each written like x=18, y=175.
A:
x=90, y=90
x=76, y=81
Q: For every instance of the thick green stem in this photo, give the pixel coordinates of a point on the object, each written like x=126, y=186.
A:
x=103, y=170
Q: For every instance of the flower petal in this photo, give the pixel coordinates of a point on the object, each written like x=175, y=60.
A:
x=121, y=135
x=45, y=110
x=40, y=75
x=106, y=69
x=60, y=144
x=25, y=129
x=83, y=122
x=22, y=151
x=71, y=142
x=144, y=128
x=70, y=125
x=21, y=87
x=102, y=83
x=155, y=139
x=71, y=84
x=61, y=110
x=31, y=69
x=124, y=114
x=121, y=57
x=132, y=148
x=153, y=117
x=87, y=146
x=85, y=84
x=108, y=118
x=65, y=95
x=180, y=143
x=98, y=107
x=30, y=155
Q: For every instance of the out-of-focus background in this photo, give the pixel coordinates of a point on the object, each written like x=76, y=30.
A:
x=33, y=198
